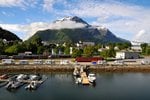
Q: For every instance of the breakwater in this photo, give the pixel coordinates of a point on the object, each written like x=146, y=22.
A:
x=70, y=68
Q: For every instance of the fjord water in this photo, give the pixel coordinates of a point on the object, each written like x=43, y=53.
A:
x=109, y=86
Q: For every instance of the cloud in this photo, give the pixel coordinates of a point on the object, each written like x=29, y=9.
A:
x=48, y=5
x=10, y=3
x=142, y=34
x=30, y=29
x=125, y=20
x=18, y=3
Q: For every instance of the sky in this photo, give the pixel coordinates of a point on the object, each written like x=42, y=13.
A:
x=128, y=19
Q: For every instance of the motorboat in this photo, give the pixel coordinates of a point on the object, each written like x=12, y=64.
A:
x=14, y=84
x=21, y=77
x=36, y=77
x=3, y=83
x=4, y=76
x=92, y=77
x=32, y=85
x=76, y=72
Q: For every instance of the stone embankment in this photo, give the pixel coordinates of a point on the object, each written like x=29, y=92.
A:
x=70, y=68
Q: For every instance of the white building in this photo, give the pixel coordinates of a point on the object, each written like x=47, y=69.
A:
x=127, y=55
x=136, y=46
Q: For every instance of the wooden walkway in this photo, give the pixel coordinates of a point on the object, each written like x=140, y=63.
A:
x=85, y=80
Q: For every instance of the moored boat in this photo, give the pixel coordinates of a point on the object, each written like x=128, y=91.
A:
x=32, y=85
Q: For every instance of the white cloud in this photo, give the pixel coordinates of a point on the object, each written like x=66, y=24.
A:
x=142, y=34
x=30, y=29
x=48, y=5
x=10, y=3
x=18, y=3
x=125, y=20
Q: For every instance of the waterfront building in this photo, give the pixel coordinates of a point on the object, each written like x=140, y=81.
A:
x=127, y=55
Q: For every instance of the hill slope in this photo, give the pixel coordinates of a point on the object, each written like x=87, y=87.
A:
x=9, y=36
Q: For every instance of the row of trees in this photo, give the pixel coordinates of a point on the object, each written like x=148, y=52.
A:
x=36, y=47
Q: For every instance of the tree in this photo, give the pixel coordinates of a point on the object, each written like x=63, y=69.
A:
x=144, y=46
x=67, y=50
x=77, y=52
x=1, y=46
x=88, y=51
x=40, y=50
x=14, y=49
x=147, y=51
x=108, y=53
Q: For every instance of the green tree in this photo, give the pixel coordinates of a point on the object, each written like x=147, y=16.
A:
x=77, y=52
x=40, y=50
x=14, y=49
x=1, y=46
x=144, y=46
x=67, y=50
x=147, y=51
x=108, y=53
x=88, y=51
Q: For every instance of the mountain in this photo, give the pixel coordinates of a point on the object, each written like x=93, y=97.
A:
x=9, y=36
x=74, y=29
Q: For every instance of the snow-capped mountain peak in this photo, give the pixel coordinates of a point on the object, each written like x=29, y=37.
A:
x=73, y=19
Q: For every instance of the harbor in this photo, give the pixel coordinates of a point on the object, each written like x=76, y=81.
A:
x=32, y=81
x=108, y=86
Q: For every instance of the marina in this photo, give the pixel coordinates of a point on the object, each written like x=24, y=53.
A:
x=16, y=81
x=109, y=86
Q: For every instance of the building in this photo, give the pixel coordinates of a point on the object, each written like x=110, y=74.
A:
x=127, y=55
x=83, y=44
x=136, y=46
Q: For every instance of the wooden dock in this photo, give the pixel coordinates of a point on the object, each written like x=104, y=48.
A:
x=84, y=78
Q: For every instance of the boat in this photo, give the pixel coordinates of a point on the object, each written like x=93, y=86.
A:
x=76, y=72
x=82, y=76
x=3, y=84
x=14, y=84
x=33, y=85
x=36, y=77
x=21, y=77
x=16, y=81
x=34, y=82
x=92, y=77
x=4, y=76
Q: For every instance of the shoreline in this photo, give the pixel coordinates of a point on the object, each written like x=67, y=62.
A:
x=70, y=68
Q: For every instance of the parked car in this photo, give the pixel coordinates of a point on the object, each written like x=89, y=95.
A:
x=145, y=62
x=101, y=62
x=119, y=62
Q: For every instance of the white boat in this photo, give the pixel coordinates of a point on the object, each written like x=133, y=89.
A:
x=75, y=72
x=14, y=84
x=33, y=85
x=92, y=77
x=35, y=77
x=21, y=77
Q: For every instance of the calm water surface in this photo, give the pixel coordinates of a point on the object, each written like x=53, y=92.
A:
x=109, y=86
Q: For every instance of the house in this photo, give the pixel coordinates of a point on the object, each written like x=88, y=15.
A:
x=136, y=46
x=127, y=55
x=82, y=44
